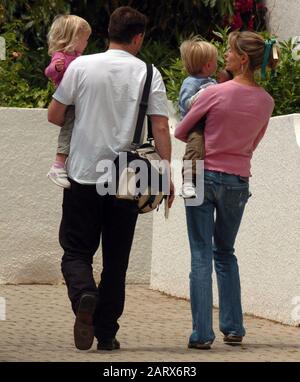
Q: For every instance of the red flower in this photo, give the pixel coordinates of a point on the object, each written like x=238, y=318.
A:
x=247, y=13
x=237, y=21
x=238, y=5
x=249, y=5
x=261, y=8
x=251, y=22
x=243, y=5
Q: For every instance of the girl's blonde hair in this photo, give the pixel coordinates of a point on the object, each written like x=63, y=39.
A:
x=64, y=33
x=253, y=45
x=195, y=53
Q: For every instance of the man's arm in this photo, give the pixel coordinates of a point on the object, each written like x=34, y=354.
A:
x=161, y=135
x=206, y=100
x=162, y=139
x=56, y=112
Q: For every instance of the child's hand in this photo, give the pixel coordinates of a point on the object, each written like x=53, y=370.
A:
x=59, y=65
x=223, y=76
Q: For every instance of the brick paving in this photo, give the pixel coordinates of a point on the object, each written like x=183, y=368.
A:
x=154, y=327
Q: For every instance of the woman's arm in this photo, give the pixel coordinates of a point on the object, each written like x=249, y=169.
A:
x=202, y=105
x=270, y=105
x=190, y=102
x=259, y=136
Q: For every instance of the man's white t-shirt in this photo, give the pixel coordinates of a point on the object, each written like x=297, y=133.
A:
x=106, y=89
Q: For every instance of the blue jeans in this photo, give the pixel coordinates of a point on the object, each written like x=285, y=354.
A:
x=212, y=229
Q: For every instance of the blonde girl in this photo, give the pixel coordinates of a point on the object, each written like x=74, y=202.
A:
x=67, y=39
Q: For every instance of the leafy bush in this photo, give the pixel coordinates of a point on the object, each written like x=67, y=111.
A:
x=157, y=52
x=17, y=74
x=284, y=86
x=25, y=23
x=173, y=77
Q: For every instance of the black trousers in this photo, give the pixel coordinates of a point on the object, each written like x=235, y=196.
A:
x=86, y=217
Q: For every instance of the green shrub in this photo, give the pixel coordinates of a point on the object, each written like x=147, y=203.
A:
x=25, y=23
x=17, y=73
x=284, y=86
x=157, y=52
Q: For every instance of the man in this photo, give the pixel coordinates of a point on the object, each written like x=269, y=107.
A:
x=106, y=90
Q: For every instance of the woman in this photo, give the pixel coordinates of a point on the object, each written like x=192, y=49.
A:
x=237, y=115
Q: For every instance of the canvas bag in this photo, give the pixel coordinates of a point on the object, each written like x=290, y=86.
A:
x=151, y=195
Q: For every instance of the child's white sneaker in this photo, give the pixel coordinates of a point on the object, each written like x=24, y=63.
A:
x=188, y=191
x=59, y=176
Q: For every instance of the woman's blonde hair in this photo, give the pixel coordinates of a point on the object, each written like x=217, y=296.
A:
x=195, y=53
x=253, y=45
x=64, y=33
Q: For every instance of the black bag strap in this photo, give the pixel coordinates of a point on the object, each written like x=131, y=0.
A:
x=149, y=134
x=143, y=108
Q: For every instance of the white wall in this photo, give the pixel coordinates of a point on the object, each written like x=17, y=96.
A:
x=284, y=17
x=31, y=205
x=268, y=244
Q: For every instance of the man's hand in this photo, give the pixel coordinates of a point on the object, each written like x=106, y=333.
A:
x=161, y=134
x=172, y=195
x=59, y=65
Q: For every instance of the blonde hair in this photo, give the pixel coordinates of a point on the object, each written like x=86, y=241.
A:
x=64, y=33
x=253, y=45
x=195, y=53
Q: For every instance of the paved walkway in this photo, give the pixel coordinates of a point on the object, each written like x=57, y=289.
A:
x=154, y=327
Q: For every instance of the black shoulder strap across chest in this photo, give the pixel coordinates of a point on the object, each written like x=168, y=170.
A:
x=143, y=108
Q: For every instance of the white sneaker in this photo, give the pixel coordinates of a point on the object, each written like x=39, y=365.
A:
x=59, y=176
x=188, y=191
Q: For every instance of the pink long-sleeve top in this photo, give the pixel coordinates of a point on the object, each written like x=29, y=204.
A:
x=52, y=73
x=237, y=117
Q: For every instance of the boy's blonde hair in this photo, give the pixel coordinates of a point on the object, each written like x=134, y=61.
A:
x=195, y=53
x=253, y=45
x=64, y=33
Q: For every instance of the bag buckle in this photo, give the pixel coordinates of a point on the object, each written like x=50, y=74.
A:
x=134, y=146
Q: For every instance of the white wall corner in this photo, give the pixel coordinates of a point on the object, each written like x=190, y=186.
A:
x=283, y=18
x=297, y=128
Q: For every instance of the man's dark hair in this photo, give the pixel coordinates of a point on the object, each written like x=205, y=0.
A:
x=124, y=24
